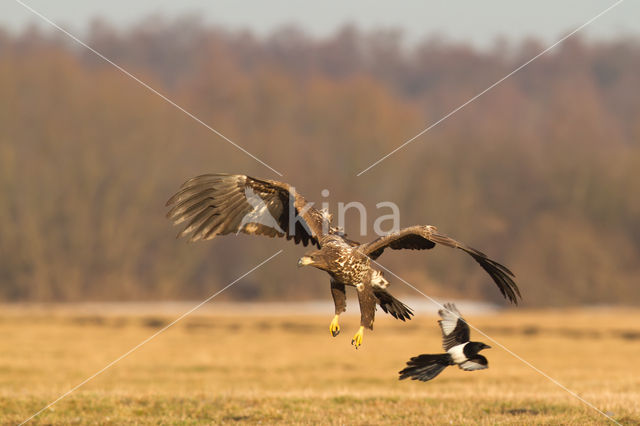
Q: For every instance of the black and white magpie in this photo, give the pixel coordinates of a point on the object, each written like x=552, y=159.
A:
x=455, y=340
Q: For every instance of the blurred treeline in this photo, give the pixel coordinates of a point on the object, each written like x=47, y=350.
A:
x=543, y=172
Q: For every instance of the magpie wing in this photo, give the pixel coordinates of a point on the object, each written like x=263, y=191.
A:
x=478, y=362
x=455, y=330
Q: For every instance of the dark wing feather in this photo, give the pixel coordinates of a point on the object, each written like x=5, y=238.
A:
x=406, y=241
x=392, y=306
x=455, y=330
x=220, y=204
x=426, y=237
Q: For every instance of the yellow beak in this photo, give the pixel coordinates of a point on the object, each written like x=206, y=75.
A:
x=304, y=261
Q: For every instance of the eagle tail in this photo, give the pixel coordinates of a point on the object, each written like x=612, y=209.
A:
x=391, y=305
x=425, y=367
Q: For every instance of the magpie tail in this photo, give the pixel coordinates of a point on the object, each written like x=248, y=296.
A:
x=425, y=367
x=391, y=305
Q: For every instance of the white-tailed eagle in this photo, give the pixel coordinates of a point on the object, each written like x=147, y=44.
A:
x=220, y=204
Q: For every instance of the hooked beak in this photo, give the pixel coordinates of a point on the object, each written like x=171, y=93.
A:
x=304, y=261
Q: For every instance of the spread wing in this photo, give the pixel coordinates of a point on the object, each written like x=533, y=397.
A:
x=220, y=204
x=455, y=330
x=423, y=237
x=478, y=362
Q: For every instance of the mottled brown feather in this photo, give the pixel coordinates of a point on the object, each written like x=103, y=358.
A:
x=215, y=204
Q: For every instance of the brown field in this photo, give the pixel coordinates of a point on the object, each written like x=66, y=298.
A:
x=287, y=369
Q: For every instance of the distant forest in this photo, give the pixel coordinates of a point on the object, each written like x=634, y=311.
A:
x=542, y=172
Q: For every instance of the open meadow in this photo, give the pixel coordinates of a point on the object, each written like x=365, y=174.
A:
x=269, y=368
x=513, y=127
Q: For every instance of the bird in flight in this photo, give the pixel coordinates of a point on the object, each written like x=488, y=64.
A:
x=220, y=204
x=455, y=340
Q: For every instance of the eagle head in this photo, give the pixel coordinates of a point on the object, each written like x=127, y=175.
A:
x=317, y=259
x=305, y=260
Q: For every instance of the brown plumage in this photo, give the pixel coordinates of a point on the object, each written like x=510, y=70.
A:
x=422, y=237
x=215, y=204
x=221, y=204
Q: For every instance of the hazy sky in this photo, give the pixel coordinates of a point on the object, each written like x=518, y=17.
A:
x=475, y=21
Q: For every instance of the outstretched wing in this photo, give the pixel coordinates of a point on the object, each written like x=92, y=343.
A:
x=455, y=330
x=220, y=204
x=424, y=237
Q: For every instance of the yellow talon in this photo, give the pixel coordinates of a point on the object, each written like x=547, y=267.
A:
x=334, y=327
x=357, y=339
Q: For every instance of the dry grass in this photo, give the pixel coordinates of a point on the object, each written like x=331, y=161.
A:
x=270, y=369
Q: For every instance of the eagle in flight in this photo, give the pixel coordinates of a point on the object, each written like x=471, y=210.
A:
x=220, y=204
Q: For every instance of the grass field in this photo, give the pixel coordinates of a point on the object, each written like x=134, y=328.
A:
x=283, y=369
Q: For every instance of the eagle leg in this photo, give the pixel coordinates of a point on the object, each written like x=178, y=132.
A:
x=368, y=302
x=340, y=302
x=357, y=339
x=334, y=327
